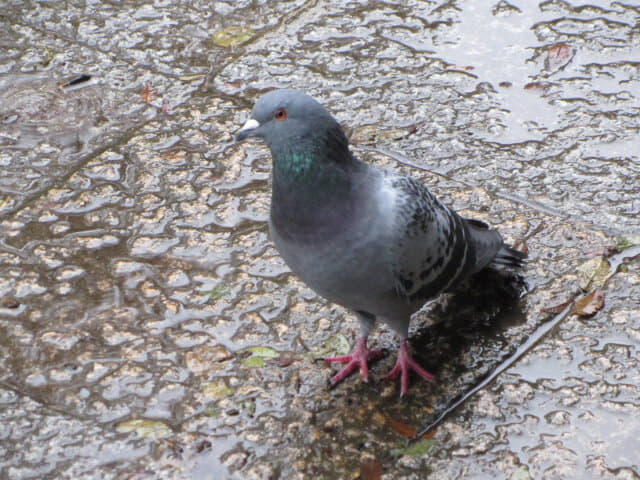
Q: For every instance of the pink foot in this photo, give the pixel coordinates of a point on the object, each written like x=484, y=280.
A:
x=357, y=358
x=402, y=367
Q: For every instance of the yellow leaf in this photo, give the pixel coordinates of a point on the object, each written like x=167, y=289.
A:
x=232, y=36
x=144, y=428
x=593, y=273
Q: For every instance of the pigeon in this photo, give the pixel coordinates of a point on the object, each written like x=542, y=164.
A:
x=378, y=243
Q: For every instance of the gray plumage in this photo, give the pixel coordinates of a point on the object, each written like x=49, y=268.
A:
x=376, y=242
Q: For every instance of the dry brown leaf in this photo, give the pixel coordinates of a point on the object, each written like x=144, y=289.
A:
x=400, y=427
x=558, y=306
x=590, y=304
x=534, y=86
x=604, y=251
x=559, y=55
x=177, y=156
x=466, y=68
x=371, y=470
x=148, y=94
x=520, y=246
x=284, y=361
x=9, y=303
x=428, y=435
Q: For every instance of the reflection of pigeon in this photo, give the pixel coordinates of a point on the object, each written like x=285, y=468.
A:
x=373, y=241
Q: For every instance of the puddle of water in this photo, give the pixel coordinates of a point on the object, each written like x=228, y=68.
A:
x=140, y=280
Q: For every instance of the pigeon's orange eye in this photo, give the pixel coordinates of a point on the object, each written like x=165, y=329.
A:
x=281, y=114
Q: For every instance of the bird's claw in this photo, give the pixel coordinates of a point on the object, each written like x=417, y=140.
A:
x=357, y=359
x=403, y=366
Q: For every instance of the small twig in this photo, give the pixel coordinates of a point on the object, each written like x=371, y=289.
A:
x=531, y=342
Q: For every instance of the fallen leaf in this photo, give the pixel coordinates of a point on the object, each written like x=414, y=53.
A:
x=254, y=362
x=9, y=303
x=257, y=356
x=232, y=36
x=264, y=352
x=593, y=273
x=558, y=306
x=148, y=94
x=144, y=428
x=200, y=358
x=429, y=434
x=371, y=470
x=466, y=68
x=590, y=304
x=217, y=292
x=248, y=407
x=203, y=445
x=603, y=251
x=419, y=448
x=284, y=361
x=521, y=474
x=216, y=390
x=505, y=84
x=520, y=246
x=558, y=56
x=335, y=346
x=188, y=78
x=627, y=241
x=534, y=86
x=177, y=156
x=400, y=427
x=47, y=57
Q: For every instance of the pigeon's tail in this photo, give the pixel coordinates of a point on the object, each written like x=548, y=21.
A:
x=490, y=248
x=510, y=256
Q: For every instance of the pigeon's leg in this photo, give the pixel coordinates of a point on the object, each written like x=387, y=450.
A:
x=360, y=355
x=403, y=365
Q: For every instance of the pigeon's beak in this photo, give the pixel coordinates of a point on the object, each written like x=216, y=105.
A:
x=247, y=129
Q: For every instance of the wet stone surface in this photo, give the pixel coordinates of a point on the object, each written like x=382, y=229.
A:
x=148, y=327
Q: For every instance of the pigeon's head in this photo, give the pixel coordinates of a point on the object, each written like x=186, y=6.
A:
x=281, y=117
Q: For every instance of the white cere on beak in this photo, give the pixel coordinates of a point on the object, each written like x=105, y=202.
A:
x=251, y=124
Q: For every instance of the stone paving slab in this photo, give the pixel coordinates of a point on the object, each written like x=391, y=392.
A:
x=149, y=328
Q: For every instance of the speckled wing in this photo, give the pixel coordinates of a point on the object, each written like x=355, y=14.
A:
x=433, y=248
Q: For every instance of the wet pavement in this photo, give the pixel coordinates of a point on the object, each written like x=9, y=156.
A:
x=148, y=327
